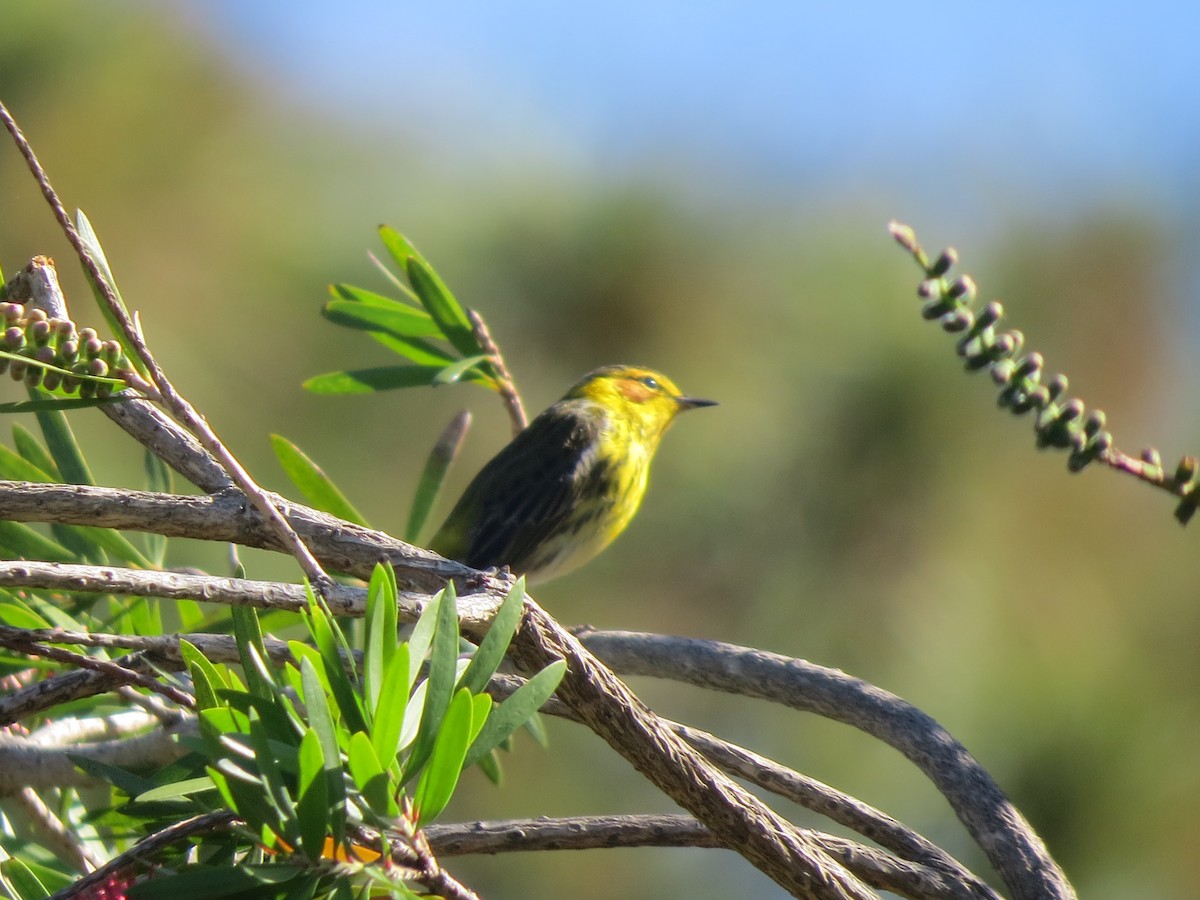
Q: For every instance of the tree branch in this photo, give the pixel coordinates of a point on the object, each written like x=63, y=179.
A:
x=740, y=820
x=1010, y=843
x=607, y=832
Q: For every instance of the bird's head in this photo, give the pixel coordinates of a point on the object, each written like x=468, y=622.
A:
x=646, y=399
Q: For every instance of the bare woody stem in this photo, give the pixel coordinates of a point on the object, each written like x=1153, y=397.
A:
x=508, y=388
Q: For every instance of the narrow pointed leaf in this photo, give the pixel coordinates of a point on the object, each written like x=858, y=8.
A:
x=367, y=771
x=443, y=656
x=65, y=403
x=65, y=450
x=388, y=717
x=27, y=885
x=387, y=316
x=443, y=454
x=457, y=370
x=22, y=542
x=88, y=235
x=189, y=787
x=248, y=633
x=417, y=350
x=312, y=807
x=33, y=452
x=205, y=676
x=440, y=774
x=495, y=643
x=369, y=381
x=321, y=721
x=381, y=631
x=125, y=781
x=513, y=712
x=332, y=645
x=312, y=481
x=441, y=304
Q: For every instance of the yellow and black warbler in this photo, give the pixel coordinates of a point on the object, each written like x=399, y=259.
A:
x=570, y=482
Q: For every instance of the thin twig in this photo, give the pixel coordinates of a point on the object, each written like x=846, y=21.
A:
x=15, y=640
x=59, y=835
x=508, y=389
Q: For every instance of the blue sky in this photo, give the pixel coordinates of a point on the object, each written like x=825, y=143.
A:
x=1070, y=98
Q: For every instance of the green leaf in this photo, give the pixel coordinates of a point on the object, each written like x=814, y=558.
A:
x=418, y=350
x=17, y=615
x=205, y=677
x=312, y=481
x=143, y=615
x=249, y=637
x=53, y=880
x=513, y=712
x=64, y=403
x=88, y=235
x=114, y=543
x=13, y=467
x=440, y=775
x=63, y=447
x=268, y=758
x=441, y=305
x=381, y=631
x=158, y=478
x=368, y=381
x=203, y=882
x=301, y=651
x=22, y=542
x=379, y=314
x=23, y=881
x=370, y=778
x=321, y=721
x=454, y=372
x=489, y=765
x=495, y=643
x=445, y=451
x=443, y=658
x=176, y=789
x=414, y=709
x=32, y=451
x=312, y=809
x=331, y=644
x=125, y=781
x=84, y=538
x=388, y=718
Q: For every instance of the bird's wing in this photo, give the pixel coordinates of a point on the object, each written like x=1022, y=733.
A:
x=525, y=493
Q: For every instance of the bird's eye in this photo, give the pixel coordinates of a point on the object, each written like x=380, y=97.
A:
x=649, y=381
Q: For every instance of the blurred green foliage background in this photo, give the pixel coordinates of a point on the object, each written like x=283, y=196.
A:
x=855, y=500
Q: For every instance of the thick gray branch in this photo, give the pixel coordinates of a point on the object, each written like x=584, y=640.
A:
x=741, y=821
x=996, y=825
x=339, y=545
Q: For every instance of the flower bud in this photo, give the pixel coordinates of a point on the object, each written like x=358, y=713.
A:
x=962, y=289
x=944, y=263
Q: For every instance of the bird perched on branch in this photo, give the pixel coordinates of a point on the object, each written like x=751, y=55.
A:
x=568, y=483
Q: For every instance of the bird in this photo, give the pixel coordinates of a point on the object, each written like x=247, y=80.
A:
x=569, y=482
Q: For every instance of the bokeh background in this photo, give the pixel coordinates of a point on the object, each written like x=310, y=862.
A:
x=704, y=188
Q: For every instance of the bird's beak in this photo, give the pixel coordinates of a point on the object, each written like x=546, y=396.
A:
x=693, y=402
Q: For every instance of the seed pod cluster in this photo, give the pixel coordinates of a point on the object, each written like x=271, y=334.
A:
x=1059, y=421
x=77, y=358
